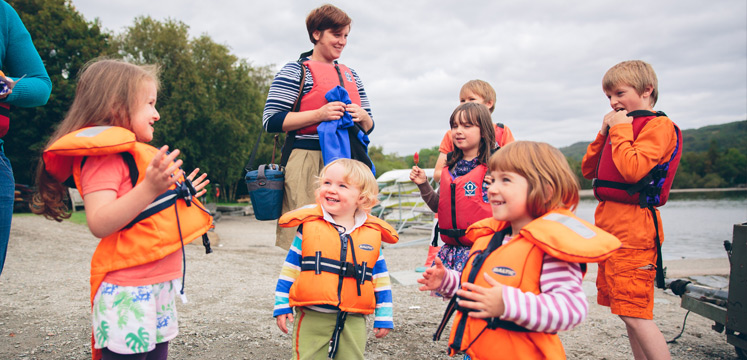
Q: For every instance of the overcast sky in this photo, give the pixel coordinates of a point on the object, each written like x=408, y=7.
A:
x=545, y=58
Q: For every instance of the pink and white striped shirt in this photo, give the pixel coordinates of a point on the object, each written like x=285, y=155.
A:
x=560, y=305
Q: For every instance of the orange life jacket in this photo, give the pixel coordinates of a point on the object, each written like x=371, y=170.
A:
x=156, y=232
x=326, y=76
x=336, y=269
x=147, y=240
x=653, y=189
x=518, y=264
x=460, y=204
x=499, y=130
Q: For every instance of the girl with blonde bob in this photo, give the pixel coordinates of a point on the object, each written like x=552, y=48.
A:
x=522, y=281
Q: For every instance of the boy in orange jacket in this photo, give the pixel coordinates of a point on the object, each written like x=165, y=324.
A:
x=636, y=152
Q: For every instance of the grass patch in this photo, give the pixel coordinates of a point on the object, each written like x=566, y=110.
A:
x=78, y=217
x=232, y=204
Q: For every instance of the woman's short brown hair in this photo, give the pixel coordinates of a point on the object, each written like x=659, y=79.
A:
x=326, y=17
x=552, y=183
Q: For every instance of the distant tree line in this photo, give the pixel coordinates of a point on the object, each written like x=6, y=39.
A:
x=210, y=101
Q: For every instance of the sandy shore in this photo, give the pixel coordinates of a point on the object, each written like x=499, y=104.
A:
x=44, y=311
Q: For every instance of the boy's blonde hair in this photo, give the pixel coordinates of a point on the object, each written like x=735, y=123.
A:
x=552, y=183
x=481, y=89
x=634, y=73
x=360, y=176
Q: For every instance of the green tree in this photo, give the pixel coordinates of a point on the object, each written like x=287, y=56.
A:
x=65, y=41
x=385, y=162
x=576, y=167
x=732, y=167
x=427, y=157
x=210, y=101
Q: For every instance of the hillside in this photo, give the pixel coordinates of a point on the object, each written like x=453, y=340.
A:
x=730, y=135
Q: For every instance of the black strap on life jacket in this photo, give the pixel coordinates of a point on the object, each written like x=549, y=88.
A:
x=358, y=150
x=493, y=323
x=454, y=232
x=290, y=137
x=334, y=341
x=361, y=273
x=661, y=272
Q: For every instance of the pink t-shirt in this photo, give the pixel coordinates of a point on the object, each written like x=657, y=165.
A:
x=109, y=172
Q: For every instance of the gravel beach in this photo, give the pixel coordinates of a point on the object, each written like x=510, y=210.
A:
x=45, y=314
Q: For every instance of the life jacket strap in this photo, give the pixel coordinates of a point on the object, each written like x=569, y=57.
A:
x=477, y=258
x=648, y=188
x=661, y=271
x=454, y=233
x=334, y=341
x=184, y=190
x=317, y=264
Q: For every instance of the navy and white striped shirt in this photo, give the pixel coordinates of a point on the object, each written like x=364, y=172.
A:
x=283, y=93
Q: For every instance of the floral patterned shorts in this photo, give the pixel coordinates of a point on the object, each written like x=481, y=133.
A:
x=133, y=319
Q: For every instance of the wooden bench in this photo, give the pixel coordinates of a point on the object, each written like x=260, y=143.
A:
x=75, y=199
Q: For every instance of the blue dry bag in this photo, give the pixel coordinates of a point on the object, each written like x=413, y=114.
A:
x=265, y=187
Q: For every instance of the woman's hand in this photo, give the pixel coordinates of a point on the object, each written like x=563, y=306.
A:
x=487, y=302
x=417, y=175
x=200, y=183
x=331, y=111
x=360, y=115
x=282, y=321
x=433, y=277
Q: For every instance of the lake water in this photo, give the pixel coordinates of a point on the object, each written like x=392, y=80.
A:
x=695, y=224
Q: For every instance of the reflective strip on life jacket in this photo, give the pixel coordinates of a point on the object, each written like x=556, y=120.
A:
x=317, y=264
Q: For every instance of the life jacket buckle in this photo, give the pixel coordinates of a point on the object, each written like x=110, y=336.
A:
x=361, y=272
x=185, y=190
